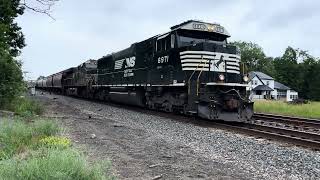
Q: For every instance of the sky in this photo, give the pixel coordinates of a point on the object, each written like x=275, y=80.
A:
x=85, y=29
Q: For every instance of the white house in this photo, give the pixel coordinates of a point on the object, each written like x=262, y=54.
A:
x=263, y=86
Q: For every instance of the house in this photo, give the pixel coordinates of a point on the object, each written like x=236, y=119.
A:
x=263, y=86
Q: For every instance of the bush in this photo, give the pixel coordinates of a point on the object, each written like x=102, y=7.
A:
x=24, y=107
x=29, y=150
x=44, y=128
x=17, y=135
x=14, y=136
x=51, y=163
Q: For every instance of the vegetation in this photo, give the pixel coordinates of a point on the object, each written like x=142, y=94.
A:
x=51, y=164
x=11, y=42
x=254, y=58
x=17, y=135
x=31, y=149
x=11, y=81
x=310, y=110
x=35, y=151
x=24, y=106
x=295, y=68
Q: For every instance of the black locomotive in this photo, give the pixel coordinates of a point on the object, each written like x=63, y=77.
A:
x=191, y=70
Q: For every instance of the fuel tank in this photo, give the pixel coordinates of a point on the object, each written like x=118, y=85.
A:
x=135, y=98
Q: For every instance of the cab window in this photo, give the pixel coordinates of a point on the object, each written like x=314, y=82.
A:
x=164, y=44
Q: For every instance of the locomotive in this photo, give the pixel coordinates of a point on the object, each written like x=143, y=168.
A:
x=190, y=70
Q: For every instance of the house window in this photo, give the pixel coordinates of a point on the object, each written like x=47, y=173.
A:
x=282, y=94
x=267, y=83
x=255, y=82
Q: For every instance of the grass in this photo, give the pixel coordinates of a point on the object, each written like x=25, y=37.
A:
x=18, y=135
x=34, y=150
x=310, y=110
x=51, y=163
x=24, y=106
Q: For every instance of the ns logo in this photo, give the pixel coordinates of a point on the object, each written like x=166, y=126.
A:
x=130, y=62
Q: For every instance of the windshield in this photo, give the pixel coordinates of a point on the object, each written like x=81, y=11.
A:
x=187, y=38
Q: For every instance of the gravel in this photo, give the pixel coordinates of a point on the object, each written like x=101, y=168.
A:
x=241, y=156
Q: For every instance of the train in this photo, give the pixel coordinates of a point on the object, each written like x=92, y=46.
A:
x=191, y=69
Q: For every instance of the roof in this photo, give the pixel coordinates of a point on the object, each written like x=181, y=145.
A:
x=260, y=75
x=201, y=26
x=262, y=88
x=280, y=86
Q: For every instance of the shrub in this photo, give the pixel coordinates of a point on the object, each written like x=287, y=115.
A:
x=51, y=163
x=45, y=128
x=31, y=151
x=16, y=135
x=25, y=107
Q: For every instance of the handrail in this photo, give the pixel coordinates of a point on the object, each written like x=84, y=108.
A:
x=199, y=77
x=193, y=74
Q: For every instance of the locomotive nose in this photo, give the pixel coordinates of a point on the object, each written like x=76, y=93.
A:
x=232, y=104
x=233, y=111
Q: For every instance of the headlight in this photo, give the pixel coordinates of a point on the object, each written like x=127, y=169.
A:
x=245, y=78
x=221, y=77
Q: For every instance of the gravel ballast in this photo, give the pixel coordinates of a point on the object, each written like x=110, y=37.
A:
x=145, y=146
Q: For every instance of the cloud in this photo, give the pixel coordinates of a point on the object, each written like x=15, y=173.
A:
x=92, y=29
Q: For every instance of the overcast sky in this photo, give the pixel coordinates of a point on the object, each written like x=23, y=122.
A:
x=90, y=29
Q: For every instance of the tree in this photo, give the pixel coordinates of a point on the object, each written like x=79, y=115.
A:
x=11, y=80
x=287, y=68
x=300, y=71
x=11, y=43
x=313, y=81
x=254, y=58
x=11, y=37
x=39, y=6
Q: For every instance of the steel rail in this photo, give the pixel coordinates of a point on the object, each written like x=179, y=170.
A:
x=278, y=134
x=314, y=123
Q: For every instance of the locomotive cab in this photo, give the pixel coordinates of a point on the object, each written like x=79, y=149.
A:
x=211, y=71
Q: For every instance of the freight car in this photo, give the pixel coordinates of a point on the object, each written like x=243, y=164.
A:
x=191, y=70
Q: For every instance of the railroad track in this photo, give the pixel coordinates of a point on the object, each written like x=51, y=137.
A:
x=293, y=131
x=298, y=131
x=289, y=121
x=294, y=137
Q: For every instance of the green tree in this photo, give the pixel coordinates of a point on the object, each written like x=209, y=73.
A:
x=11, y=43
x=254, y=58
x=313, y=80
x=287, y=68
x=300, y=71
x=11, y=80
x=11, y=37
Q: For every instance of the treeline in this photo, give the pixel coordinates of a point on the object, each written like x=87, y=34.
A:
x=296, y=68
x=11, y=43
